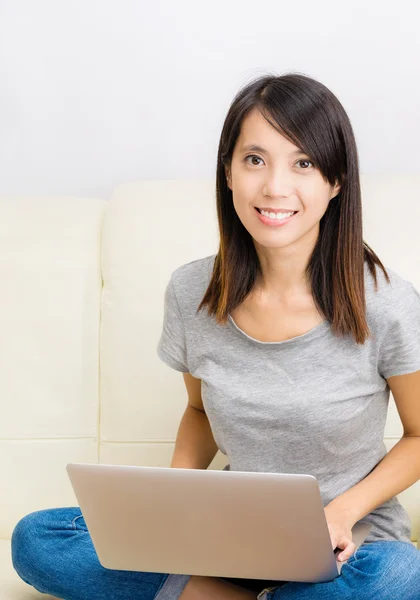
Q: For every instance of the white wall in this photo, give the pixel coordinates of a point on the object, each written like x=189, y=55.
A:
x=99, y=92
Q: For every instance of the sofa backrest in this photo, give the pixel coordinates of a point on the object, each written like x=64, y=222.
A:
x=84, y=316
x=49, y=358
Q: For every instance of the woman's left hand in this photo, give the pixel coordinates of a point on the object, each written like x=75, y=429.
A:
x=340, y=526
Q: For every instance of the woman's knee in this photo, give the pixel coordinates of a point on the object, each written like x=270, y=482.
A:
x=403, y=569
x=33, y=536
x=390, y=569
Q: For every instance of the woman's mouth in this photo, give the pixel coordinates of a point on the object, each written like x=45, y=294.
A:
x=277, y=219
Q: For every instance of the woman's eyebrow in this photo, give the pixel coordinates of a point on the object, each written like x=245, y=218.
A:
x=256, y=148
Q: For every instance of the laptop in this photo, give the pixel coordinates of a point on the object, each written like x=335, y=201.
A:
x=228, y=524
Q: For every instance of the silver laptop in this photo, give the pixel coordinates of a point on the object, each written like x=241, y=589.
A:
x=232, y=524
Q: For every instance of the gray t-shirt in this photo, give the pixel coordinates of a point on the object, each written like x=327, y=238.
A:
x=314, y=404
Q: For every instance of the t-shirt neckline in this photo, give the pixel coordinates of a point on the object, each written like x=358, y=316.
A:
x=314, y=332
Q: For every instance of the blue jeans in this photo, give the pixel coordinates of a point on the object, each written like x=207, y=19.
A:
x=53, y=552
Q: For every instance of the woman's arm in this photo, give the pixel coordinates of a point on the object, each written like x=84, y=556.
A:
x=195, y=447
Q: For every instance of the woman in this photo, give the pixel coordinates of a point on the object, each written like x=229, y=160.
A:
x=289, y=368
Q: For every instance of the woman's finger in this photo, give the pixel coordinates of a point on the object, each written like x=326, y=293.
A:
x=348, y=551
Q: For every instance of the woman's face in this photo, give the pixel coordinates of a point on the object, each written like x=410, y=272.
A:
x=280, y=177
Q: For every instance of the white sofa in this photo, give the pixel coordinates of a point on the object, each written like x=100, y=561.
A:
x=81, y=313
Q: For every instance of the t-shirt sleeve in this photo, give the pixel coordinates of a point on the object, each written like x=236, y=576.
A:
x=399, y=351
x=171, y=348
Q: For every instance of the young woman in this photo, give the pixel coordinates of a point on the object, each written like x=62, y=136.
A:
x=290, y=339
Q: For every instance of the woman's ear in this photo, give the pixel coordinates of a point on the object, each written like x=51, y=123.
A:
x=228, y=177
x=336, y=190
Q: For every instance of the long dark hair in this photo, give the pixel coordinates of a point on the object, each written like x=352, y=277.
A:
x=307, y=113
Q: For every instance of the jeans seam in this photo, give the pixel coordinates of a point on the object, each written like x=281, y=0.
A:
x=355, y=552
x=73, y=524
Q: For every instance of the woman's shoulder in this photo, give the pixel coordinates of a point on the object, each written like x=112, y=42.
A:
x=393, y=314
x=194, y=271
x=386, y=291
x=392, y=300
x=190, y=281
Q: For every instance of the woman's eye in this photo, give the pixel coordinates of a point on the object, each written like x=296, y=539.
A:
x=299, y=161
x=252, y=156
x=307, y=161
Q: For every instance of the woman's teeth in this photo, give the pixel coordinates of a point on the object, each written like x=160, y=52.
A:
x=277, y=216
